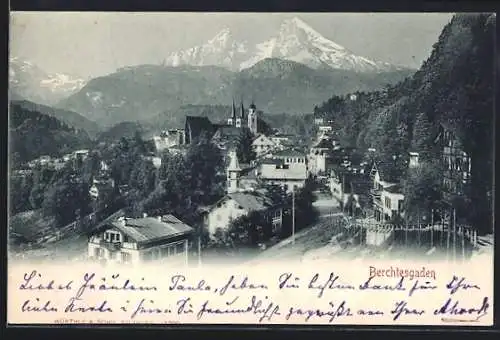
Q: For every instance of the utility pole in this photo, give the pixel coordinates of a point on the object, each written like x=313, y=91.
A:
x=343, y=187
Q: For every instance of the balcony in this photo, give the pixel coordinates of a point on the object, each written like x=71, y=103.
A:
x=111, y=245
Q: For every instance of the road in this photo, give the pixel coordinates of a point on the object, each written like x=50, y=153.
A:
x=316, y=236
x=324, y=241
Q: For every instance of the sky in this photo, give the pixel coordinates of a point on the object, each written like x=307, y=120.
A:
x=91, y=44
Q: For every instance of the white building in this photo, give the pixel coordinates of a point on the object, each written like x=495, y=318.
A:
x=290, y=176
x=237, y=204
x=392, y=199
x=387, y=197
x=233, y=173
x=263, y=144
x=241, y=201
x=318, y=156
x=163, y=239
x=282, y=140
x=168, y=139
x=413, y=162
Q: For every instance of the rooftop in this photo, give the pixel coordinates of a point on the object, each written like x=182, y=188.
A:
x=323, y=144
x=251, y=201
x=150, y=229
x=394, y=189
x=292, y=172
x=288, y=153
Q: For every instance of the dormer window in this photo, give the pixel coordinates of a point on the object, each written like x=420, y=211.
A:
x=112, y=236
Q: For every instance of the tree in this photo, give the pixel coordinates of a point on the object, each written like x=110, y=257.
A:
x=422, y=189
x=248, y=230
x=37, y=191
x=19, y=192
x=244, y=149
x=204, y=172
x=423, y=138
x=67, y=200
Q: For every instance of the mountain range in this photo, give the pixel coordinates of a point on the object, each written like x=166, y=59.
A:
x=275, y=85
x=291, y=72
x=295, y=41
x=30, y=82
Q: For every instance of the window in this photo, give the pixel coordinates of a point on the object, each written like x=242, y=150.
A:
x=387, y=202
x=112, y=236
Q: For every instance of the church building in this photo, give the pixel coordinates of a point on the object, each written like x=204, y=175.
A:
x=241, y=120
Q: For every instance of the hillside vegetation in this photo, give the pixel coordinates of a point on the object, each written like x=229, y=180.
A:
x=454, y=86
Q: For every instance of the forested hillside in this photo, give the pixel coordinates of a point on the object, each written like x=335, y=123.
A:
x=70, y=118
x=455, y=86
x=33, y=134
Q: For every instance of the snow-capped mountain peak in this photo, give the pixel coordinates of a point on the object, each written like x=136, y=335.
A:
x=223, y=37
x=221, y=50
x=295, y=40
x=296, y=26
x=29, y=81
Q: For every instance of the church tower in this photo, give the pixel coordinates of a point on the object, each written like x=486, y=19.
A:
x=252, y=119
x=241, y=118
x=233, y=173
x=232, y=120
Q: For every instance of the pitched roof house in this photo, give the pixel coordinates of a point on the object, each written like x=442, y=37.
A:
x=138, y=240
x=237, y=204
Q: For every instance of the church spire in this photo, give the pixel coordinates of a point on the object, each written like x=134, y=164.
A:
x=233, y=113
x=242, y=110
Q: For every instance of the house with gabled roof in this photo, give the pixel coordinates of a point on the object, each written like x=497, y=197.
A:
x=163, y=239
x=219, y=216
x=241, y=200
x=318, y=155
x=288, y=175
x=264, y=144
x=227, y=137
x=456, y=162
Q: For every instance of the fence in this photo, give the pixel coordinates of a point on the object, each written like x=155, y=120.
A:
x=456, y=242
x=84, y=224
